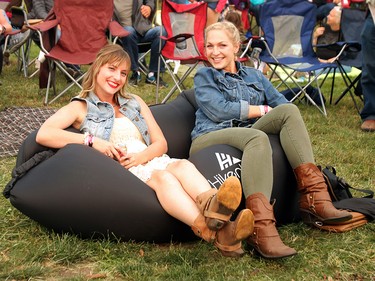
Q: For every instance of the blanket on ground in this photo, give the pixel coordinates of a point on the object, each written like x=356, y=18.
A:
x=16, y=123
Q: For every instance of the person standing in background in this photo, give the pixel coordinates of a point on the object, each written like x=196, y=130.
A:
x=368, y=71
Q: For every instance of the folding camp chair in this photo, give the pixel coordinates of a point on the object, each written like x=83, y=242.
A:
x=83, y=25
x=288, y=27
x=19, y=22
x=184, y=24
x=349, y=50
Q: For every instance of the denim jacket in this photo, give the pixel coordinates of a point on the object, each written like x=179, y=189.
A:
x=101, y=115
x=224, y=98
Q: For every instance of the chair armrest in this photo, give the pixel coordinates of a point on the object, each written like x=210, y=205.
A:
x=178, y=38
x=352, y=46
x=33, y=21
x=340, y=47
x=44, y=25
x=117, y=30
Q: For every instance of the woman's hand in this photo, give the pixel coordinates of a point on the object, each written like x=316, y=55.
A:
x=319, y=31
x=256, y=111
x=107, y=148
x=130, y=160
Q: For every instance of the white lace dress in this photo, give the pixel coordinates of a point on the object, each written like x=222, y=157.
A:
x=125, y=133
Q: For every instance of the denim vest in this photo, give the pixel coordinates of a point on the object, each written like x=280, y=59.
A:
x=224, y=98
x=101, y=115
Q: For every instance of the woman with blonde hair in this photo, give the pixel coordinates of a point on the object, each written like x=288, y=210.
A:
x=238, y=106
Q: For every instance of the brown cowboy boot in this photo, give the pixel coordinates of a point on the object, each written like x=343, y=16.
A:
x=218, y=205
x=265, y=239
x=315, y=203
x=228, y=239
x=200, y=229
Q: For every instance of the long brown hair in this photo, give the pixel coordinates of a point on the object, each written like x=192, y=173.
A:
x=235, y=18
x=112, y=54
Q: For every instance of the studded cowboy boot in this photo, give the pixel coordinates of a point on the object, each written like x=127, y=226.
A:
x=218, y=205
x=265, y=239
x=315, y=203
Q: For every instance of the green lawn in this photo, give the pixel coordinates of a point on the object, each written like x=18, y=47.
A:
x=28, y=251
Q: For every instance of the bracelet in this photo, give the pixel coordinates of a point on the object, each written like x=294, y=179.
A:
x=264, y=109
x=91, y=140
x=88, y=139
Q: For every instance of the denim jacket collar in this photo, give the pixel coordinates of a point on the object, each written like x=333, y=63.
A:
x=92, y=97
x=240, y=70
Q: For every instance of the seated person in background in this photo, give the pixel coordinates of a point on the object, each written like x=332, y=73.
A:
x=214, y=9
x=137, y=18
x=328, y=34
x=5, y=28
x=235, y=18
x=17, y=40
x=324, y=7
x=40, y=9
x=182, y=191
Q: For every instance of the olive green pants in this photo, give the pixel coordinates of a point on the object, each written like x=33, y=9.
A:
x=256, y=172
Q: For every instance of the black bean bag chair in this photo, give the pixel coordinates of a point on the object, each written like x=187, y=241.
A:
x=81, y=191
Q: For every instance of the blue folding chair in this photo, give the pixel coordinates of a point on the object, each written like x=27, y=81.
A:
x=348, y=50
x=288, y=27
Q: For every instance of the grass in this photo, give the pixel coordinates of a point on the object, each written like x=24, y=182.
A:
x=28, y=251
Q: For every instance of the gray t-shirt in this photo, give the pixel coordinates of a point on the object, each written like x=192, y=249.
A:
x=123, y=12
x=328, y=37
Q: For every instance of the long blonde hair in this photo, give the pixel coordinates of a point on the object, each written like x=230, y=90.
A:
x=112, y=54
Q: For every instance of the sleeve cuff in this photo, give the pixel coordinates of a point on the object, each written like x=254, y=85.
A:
x=244, y=115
